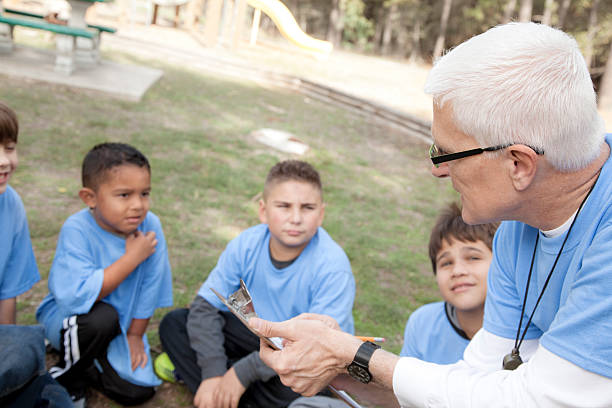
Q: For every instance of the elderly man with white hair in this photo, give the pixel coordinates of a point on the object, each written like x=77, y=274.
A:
x=517, y=131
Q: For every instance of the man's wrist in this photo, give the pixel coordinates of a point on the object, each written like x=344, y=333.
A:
x=350, y=345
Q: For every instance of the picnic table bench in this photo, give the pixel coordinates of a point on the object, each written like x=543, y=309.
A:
x=78, y=41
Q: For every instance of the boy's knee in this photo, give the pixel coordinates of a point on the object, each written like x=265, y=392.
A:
x=103, y=318
x=136, y=396
x=172, y=322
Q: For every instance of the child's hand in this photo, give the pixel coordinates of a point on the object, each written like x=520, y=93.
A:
x=137, y=351
x=229, y=390
x=205, y=395
x=140, y=245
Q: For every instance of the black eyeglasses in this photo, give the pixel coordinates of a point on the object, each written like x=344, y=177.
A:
x=438, y=156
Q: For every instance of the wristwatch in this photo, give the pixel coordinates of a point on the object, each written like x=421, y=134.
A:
x=358, y=369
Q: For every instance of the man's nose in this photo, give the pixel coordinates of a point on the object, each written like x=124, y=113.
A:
x=441, y=171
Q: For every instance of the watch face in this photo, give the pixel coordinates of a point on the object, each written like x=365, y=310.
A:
x=359, y=373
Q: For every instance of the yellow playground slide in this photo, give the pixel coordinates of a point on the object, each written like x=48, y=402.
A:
x=289, y=28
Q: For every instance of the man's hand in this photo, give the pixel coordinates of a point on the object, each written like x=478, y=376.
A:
x=205, y=395
x=313, y=353
x=140, y=245
x=229, y=390
x=137, y=351
x=327, y=320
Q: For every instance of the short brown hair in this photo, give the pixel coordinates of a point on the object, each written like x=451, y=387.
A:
x=9, y=125
x=450, y=226
x=104, y=157
x=296, y=170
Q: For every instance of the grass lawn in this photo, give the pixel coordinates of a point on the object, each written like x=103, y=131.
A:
x=208, y=173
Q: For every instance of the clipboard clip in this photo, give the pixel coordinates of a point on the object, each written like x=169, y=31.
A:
x=242, y=302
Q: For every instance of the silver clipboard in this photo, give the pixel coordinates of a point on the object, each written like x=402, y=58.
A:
x=241, y=305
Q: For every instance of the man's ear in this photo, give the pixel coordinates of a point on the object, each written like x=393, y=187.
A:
x=262, y=212
x=88, y=196
x=523, y=163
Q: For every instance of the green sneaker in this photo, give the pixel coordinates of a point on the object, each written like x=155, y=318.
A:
x=164, y=368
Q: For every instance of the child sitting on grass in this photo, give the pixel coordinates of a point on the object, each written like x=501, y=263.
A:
x=18, y=270
x=460, y=256
x=24, y=381
x=109, y=274
x=290, y=265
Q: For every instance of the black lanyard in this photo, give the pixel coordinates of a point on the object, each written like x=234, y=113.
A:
x=513, y=360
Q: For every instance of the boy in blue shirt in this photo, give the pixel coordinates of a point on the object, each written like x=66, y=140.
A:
x=460, y=257
x=24, y=381
x=290, y=265
x=110, y=272
x=18, y=270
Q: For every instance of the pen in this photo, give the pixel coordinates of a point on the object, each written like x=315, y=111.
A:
x=373, y=339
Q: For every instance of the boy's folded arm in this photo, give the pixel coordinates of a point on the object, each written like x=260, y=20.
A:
x=138, y=247
x=116, y=273
x=205, y=330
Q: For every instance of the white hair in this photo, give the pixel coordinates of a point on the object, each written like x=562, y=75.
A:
x=522, y=83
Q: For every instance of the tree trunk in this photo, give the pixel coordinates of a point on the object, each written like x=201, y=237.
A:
x=336, y=23
x=605, y=89
x=588, y=51
x=548, y=6
x=563, y=12
x=415, y=51
x=509, y=11
x=525, y=11
x=439, y=47
x=380, y=15
x=388, y=30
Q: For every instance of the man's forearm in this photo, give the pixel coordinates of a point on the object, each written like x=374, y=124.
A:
x=545, y=380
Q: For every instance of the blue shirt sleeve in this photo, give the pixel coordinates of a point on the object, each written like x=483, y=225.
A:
x=225, y=276
x=580, y=331
x=333, y=295
x=19, y=271
x=156, y=288
x=74, y=280
x=410, y=339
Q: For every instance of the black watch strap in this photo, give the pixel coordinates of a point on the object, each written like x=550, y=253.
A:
x=364, y=353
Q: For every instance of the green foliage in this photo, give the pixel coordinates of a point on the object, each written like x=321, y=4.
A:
x=363, y=18
x=358, y=30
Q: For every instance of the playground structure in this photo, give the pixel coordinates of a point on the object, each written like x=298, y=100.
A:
x=224, y=19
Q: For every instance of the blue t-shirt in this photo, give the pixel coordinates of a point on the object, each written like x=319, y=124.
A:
x=18, y=270
x=430, y=336
x=320, y=280
x=574, y=317
x=84, y=250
